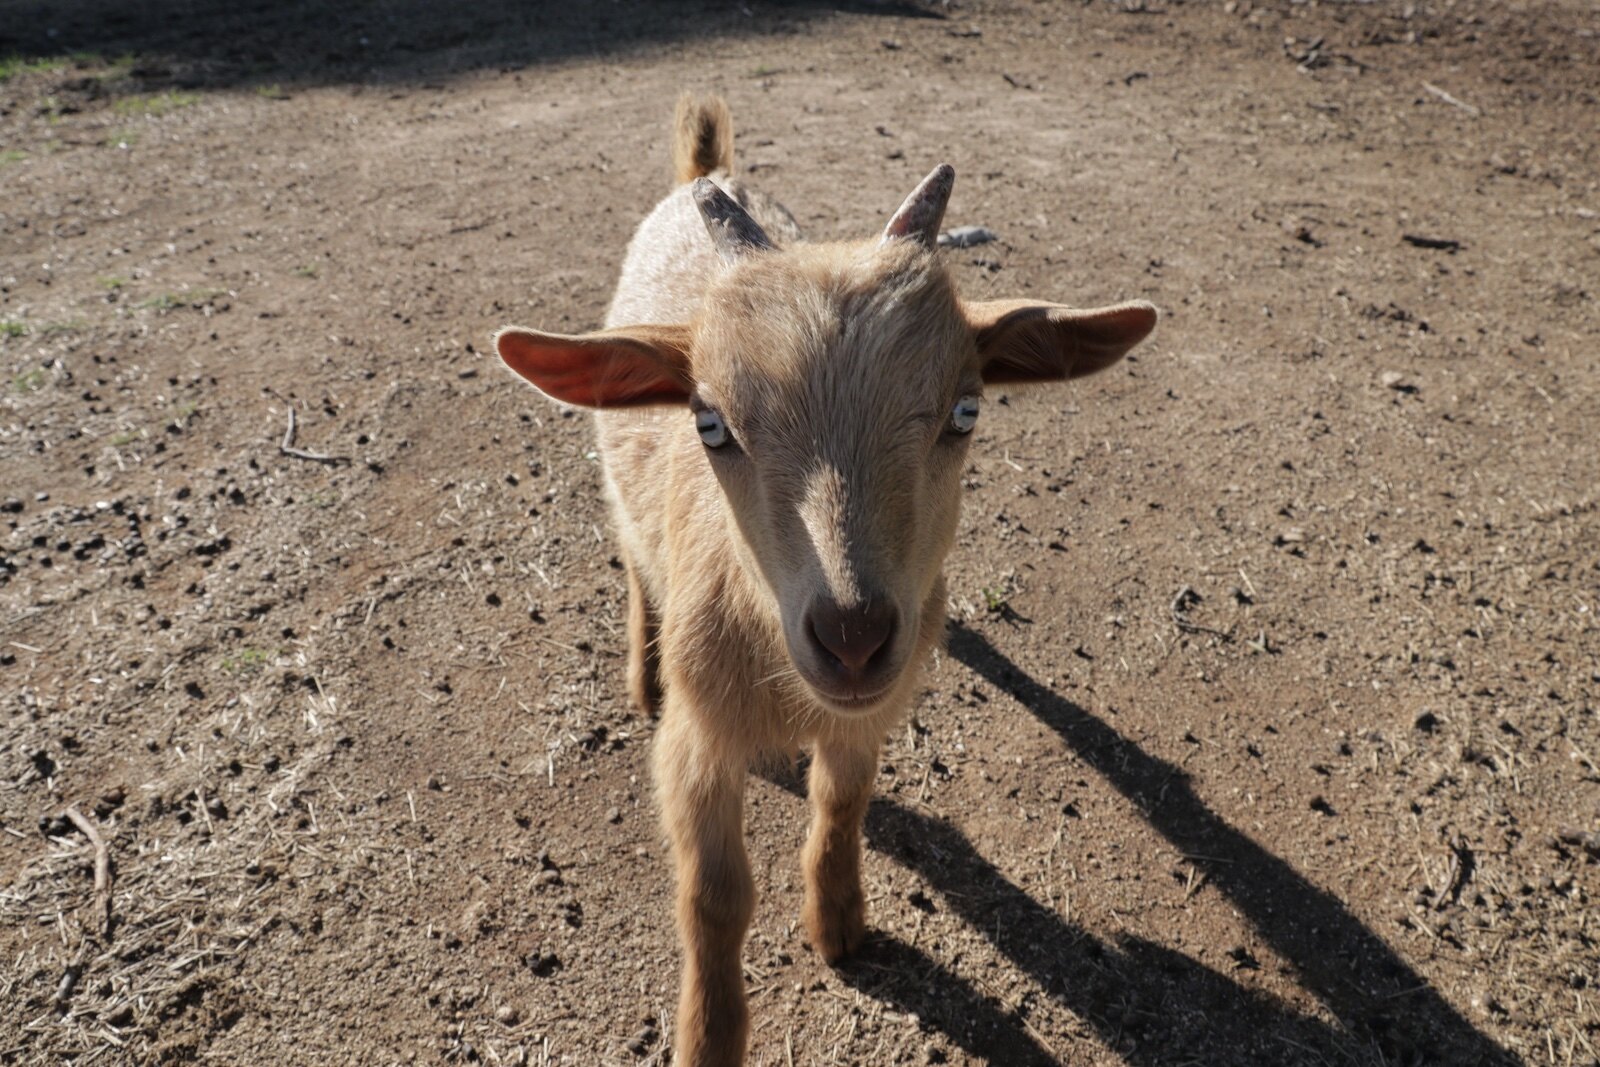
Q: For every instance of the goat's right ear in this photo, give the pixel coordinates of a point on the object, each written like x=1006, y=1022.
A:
x=1025, y=341
x=610, y=369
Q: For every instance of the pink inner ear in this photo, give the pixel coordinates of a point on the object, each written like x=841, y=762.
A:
x=597, y=371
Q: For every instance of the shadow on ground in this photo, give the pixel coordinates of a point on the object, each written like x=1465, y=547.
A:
x=1153, y=1005
x=217, y=43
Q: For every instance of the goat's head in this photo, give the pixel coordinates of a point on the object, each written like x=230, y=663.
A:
x=834, y=390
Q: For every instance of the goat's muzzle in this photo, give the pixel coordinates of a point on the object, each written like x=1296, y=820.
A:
x=852, y=649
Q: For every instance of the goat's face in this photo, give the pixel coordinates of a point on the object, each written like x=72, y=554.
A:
x=834, y=390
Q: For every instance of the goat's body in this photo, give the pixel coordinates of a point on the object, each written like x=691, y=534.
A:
x=785, y=545
x=702, y=620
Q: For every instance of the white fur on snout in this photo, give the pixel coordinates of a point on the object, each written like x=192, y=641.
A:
x=822, y=512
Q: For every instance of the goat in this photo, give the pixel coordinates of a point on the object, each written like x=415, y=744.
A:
x=784, y=538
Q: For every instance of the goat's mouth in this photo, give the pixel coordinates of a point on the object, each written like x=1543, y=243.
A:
x=853, y=704
x=850, y=693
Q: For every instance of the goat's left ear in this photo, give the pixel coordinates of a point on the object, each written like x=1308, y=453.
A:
x=609, y=369
x=1025, y=341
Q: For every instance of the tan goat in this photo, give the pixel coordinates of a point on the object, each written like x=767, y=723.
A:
x=785, y=535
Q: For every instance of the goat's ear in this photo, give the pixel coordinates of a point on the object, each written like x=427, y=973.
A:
x=609, y=369
x=1024, y=341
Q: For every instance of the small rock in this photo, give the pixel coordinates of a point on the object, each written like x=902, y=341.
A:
x=55, y=825
x=967, y=237
x=506, y=1015
x=109, y=802
x=640, y=1042
x=1484, y=1003
x=614, y=815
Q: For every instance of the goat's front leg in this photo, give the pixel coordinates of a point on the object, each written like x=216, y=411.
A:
x=702, y=802
x=841, y=785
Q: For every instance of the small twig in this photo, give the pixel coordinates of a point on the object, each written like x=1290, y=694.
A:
x=102, y=870
x=288, y=449
x=1455, y=876
x=1452, y=101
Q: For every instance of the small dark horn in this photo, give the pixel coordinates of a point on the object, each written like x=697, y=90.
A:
x=732, y=230
x=919, y=217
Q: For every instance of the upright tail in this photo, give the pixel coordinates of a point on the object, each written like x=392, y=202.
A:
x=702, y=137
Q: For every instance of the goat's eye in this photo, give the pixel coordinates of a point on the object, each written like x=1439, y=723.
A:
x=964, y=416
x=713, y=431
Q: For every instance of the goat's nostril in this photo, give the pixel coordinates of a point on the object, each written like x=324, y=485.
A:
x=852, y=636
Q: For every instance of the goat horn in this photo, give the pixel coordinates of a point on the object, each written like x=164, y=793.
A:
x=919, y=217
x=732, y=230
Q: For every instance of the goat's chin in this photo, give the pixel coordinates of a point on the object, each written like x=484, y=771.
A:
x=852, y=707
x=853, y=701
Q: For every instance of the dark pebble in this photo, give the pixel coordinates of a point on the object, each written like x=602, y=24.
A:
x=640, y=1042
x=544, y=964
x=54, y=825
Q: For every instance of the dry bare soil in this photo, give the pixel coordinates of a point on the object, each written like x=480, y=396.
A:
x=354, y=733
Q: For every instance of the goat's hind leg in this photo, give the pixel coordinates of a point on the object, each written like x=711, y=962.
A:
x=841, y=786
x=644, y=663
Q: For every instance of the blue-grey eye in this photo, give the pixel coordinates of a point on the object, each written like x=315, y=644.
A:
x=964, y=416
x=713, y=431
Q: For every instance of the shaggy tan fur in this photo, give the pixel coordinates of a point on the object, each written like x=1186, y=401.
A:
x=835, y=368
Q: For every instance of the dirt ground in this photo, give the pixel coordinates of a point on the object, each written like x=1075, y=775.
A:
x=354, y=733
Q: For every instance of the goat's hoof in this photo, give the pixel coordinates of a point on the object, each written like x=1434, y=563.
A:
x=644, y=695
x=836, y=928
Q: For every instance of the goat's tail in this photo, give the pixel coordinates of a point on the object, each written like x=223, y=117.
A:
x=702, y=137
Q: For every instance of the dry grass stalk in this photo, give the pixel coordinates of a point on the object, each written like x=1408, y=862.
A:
x=102, y=868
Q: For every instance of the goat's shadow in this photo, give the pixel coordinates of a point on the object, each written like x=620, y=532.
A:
x=1149, y=1003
